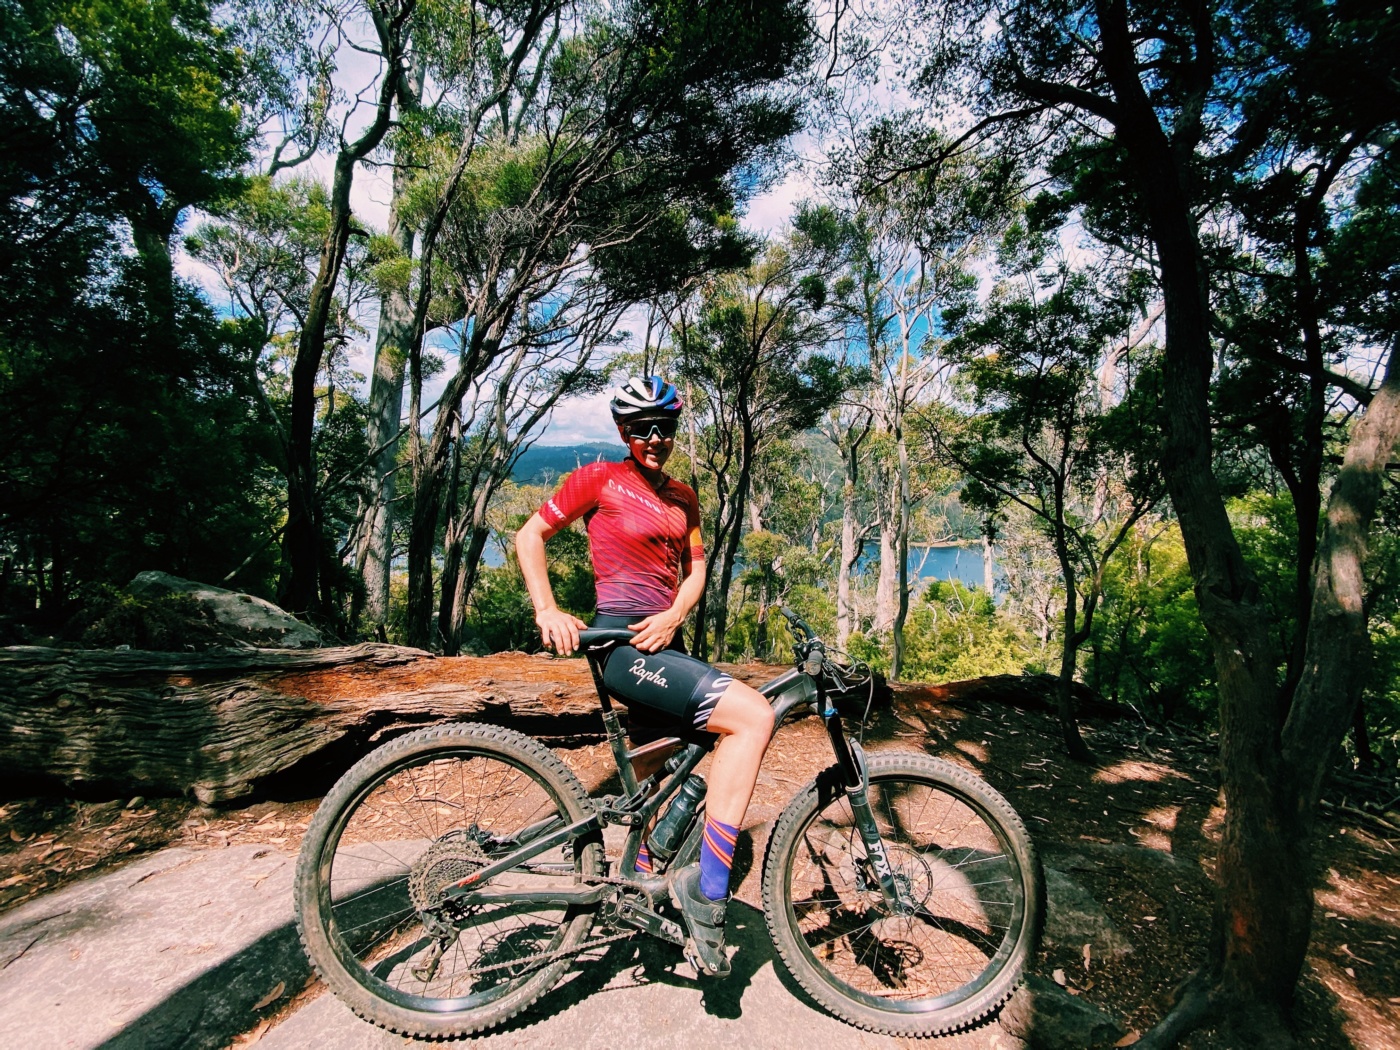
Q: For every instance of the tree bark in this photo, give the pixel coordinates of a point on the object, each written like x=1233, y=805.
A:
x=385, y=415
x=1264, y=901
x=219, y=725
x=848, y=556
x=901, y=611
x=303, y=540
x=728, y=558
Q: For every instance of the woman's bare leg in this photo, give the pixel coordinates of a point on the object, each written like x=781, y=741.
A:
x=744, y=720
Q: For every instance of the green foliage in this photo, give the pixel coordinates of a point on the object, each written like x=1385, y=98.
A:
x=108, y=617
x=499, y=615
x=128, y=436
x=134, y=101
x=1148, y=647
x=953, y=633
x=121, y=451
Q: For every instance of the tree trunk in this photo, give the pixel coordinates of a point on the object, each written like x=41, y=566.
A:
x=724, y=512
x=901, y=611
x=1264, y=900
x=1069, y=658
x=466, y=582
x=219, y=725
x=887, y=584
x=846, y=560
x=303, y=536
x=728, y=558
x=429, y=483
x=454, y=529
x=303, y=540
x=395, y=334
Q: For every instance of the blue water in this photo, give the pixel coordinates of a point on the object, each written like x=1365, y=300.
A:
x=942, y=563
x=950, y=563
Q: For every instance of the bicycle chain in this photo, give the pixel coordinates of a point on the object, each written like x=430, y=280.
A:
x=544, y=958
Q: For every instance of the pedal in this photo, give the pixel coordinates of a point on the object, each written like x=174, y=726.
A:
x=693, y=961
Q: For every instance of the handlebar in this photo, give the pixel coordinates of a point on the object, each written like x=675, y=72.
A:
x=798, y=623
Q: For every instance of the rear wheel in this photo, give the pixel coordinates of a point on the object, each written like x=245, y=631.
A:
x=402, y=826
x=966, y=867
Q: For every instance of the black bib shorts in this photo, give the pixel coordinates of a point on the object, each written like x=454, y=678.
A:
x=669, y=693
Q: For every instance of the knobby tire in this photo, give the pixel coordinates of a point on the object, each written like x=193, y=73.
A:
x=396, y=830
x=961, y=853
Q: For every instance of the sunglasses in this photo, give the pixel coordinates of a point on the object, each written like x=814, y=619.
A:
x=643, y=429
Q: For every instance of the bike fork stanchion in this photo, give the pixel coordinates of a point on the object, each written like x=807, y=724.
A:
x=850, y=756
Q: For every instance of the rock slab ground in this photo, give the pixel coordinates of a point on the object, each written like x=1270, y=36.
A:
x=195, y=948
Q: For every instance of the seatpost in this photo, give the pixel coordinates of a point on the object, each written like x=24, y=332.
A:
x=617, y=740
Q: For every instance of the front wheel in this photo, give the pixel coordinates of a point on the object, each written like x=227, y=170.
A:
x=972, y=889
x=403, y=826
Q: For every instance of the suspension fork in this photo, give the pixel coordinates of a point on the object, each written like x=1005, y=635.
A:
x=855, y=779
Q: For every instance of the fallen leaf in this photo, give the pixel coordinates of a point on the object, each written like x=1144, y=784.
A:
x=1129, y=1039
x=1149, y=918
x=272, y=996
x=13, y=880
x=1086, y=958
x=1058, y=977
x=15, y=836
x=255, y=1035
x=1351, y=972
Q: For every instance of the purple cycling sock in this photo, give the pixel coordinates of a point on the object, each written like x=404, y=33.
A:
x=643, y=860
x=716, y=858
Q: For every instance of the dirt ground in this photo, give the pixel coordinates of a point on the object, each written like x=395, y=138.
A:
x=1152, y=788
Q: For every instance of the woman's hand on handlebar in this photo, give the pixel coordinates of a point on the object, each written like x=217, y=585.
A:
x=559, y=629
x=655, y=632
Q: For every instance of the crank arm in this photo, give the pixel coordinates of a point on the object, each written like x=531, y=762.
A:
x=648, y=921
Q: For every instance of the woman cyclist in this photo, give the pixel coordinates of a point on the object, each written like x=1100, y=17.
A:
x=648, y=560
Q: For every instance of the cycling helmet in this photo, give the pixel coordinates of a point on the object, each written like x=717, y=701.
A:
x=639, y=397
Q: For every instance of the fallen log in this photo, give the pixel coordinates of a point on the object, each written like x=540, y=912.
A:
x=222, y=724
x=218, y=724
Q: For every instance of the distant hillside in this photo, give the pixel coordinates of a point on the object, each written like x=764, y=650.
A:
x=543, y=464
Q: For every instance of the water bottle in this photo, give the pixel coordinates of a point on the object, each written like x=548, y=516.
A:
x=666, y=836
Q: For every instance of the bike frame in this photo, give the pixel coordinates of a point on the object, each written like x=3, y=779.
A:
x=641, y=802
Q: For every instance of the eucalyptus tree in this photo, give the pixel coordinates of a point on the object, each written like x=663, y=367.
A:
x=389, y=30
x=910, y=246
x=755, y=363
x=466, y=79
x=606, y=186
x=1151, y=112
x=1048, y=439
x=501, y=418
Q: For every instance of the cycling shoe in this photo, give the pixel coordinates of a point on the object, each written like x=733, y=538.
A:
x=704, y=919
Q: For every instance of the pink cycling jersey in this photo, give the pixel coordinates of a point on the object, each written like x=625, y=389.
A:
x=640, y=537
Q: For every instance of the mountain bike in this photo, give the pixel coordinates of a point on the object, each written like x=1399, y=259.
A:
x=453, y=875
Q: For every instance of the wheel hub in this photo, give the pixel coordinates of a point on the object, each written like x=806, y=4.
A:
x=912, y=877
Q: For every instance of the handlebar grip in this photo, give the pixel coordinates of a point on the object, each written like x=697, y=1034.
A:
x=798, y=622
